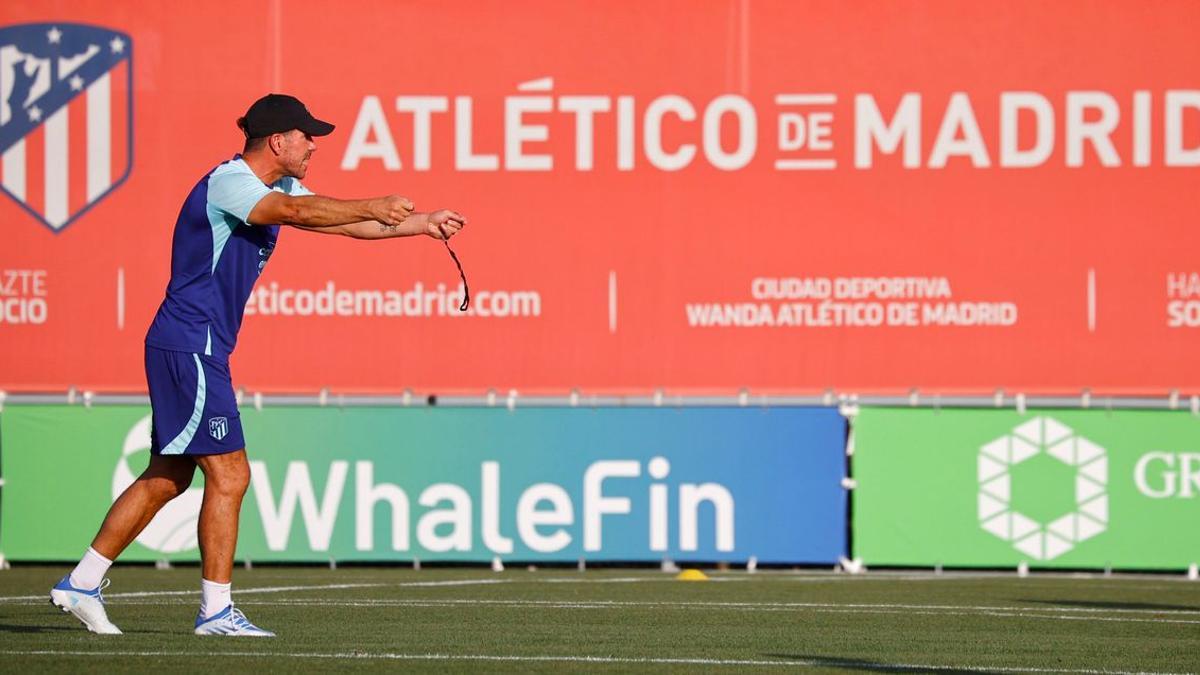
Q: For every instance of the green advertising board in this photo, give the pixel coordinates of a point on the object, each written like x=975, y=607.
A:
x=1053, y=488
x=453, y=484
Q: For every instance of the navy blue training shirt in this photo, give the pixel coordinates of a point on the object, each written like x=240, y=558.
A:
x=216, y=256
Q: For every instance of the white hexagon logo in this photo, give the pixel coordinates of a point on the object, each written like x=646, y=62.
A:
x=1043, y=541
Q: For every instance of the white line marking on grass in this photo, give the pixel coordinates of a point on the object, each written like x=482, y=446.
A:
x=1055, y=612
x=982, y=608
x=456, y=582
x=1117, y=579
x=767, y=576
x=241, y=591
x=1009, y=615
x=402, y=584
x=928, y=610
x=781, y=606
x=886, y=576
x=797, y=663
x=789, y=578
x=279, y=589
x=614, y=580
x=245, y=591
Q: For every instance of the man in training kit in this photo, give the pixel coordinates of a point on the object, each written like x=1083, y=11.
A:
x=226, y=231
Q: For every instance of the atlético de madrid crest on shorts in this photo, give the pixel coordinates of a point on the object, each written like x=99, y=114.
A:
x=218, y=427
x=66, y=117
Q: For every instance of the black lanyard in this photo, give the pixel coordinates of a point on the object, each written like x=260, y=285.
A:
x=466, y=291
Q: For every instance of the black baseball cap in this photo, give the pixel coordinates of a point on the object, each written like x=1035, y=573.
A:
x=277, y=113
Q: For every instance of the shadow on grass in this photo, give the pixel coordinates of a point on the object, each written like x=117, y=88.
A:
x=861, y=665
x=76, y=627
x=1096, y=604
x=9, y=628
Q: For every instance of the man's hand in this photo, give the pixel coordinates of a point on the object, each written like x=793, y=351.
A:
x=392, y=210
x=444, y=223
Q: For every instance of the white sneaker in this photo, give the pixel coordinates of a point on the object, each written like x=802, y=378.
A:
x=229, y=621
x=87, y=606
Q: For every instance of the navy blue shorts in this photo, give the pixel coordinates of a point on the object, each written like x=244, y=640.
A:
x=193, y=405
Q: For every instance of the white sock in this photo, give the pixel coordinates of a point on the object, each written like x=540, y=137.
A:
x=214, y=597
x=90, y=571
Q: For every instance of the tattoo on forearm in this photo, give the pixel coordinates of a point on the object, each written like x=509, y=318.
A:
x=388, y=229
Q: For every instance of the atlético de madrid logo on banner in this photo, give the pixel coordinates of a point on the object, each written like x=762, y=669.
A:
x=66, y=117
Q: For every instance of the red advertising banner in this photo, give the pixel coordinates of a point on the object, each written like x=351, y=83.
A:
x=697, y=196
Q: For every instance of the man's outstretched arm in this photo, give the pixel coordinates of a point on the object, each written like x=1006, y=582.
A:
x=315, y=211
x=441, y=224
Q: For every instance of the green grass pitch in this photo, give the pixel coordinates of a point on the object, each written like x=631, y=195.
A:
x=472, y=620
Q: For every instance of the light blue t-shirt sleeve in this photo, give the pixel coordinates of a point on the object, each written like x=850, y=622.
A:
x=235, y=192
